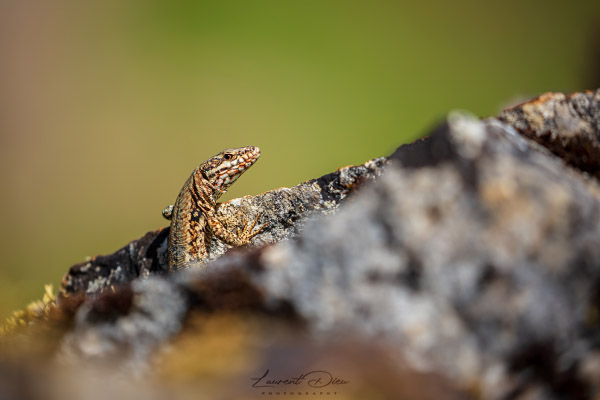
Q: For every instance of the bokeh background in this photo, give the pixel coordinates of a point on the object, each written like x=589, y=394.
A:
x=107, y=106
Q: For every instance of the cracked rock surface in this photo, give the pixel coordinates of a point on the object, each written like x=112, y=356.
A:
x=470, y=268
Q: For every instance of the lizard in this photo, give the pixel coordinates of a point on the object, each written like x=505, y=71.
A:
x=193, y=216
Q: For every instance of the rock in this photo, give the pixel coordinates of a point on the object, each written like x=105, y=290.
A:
x=137, y=318
x=470, y=269
x=481, y=262
x=480, y=259
x=569, y=126
x=108, y=272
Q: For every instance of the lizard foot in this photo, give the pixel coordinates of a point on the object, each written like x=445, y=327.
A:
x=246, y=234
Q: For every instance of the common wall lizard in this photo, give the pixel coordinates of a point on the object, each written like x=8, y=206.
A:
x=193, y=216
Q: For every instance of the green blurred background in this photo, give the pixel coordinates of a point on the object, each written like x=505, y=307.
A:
x=106, y=107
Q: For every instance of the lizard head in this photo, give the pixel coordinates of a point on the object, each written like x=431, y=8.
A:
x=224, y=168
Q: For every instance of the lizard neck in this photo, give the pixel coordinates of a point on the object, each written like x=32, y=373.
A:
x=205, y=190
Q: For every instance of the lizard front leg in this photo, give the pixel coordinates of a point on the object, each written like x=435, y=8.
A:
x=242, y=237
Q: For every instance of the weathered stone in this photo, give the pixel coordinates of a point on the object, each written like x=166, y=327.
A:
x=127, y=324
x=482, y=261
x=473, y=261
x=569, y=126
x=116, y=269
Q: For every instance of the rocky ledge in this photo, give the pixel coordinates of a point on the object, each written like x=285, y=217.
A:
x=466, y=265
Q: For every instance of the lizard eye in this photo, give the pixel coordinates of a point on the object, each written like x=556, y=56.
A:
x=227, y=156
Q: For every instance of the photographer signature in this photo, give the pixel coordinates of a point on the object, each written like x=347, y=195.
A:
x=315, y=379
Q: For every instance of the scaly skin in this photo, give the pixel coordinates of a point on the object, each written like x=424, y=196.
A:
x=193, y=216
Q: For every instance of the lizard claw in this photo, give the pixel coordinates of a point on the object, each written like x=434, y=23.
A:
x=246, y=234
